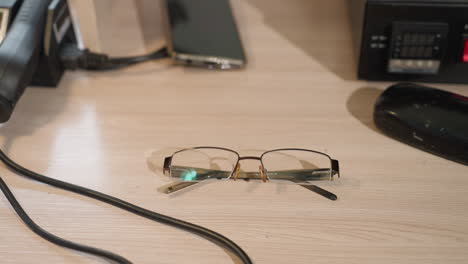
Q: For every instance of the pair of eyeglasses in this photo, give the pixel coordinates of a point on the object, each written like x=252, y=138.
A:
x=299, y=166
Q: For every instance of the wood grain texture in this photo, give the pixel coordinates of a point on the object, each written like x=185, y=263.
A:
x=108, y=131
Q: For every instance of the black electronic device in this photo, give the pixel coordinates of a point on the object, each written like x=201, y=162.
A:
x=429, y=119
x=204, y=33
x=29, y=53
x=411, y=40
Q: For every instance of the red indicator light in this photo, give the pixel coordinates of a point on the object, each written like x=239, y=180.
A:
x=465, y=51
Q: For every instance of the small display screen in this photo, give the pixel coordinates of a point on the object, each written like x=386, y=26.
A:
x=205, y=28
x=417, y=45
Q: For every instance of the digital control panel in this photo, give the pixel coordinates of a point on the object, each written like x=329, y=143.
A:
x=417, y=48
x=411, y=41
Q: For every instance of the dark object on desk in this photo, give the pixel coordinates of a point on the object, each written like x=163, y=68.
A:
x=204, y=33
x=411, y=40
x=433, y=120
x=29, y=54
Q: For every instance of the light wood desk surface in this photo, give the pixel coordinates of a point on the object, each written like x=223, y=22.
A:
x=108, y=131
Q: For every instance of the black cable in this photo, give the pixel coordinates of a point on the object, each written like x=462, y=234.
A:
x=51, y=237
x=74, y=58
x=210, y=235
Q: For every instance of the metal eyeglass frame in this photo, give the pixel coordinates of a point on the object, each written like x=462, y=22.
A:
x=262, y=175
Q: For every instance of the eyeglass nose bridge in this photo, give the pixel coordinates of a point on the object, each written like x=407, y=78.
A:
x=262, y=171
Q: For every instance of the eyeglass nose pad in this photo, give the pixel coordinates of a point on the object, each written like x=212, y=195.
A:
x=236, y=171
x=262, y=173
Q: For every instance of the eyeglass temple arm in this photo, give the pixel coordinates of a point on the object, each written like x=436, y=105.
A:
x=322, y=192
x=174, y=187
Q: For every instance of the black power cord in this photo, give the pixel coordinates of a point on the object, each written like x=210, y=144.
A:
x=210, y=235
x=51, y=237
x=74, y=58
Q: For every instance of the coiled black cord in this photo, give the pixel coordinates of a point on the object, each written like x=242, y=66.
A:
x=210, y=235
